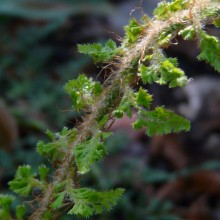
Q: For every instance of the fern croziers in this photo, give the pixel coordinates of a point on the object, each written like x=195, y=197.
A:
x=139, y=57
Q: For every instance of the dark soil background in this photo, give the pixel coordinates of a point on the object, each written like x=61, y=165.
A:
x=166, y=177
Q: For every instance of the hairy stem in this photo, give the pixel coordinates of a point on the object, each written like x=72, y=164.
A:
x=116, y=88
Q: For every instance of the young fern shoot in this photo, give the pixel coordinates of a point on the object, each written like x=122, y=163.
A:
x=140, y=57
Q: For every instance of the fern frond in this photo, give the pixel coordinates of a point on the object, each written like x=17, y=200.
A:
x=82, y=91
x=88, y=202
x=24, y=181
x=90, y=151
x=98, y=52
x=210, y=50
x=161, y=121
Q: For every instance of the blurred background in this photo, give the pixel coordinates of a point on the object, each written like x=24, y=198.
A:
x=166, y=178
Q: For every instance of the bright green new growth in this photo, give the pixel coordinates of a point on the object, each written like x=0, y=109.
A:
x=143, y=98
x=89, y=202
x=82, y=91
x=140, y=57
x=166, y=72
x=5, y=203
x=90, y=151
x=165, y=9
x=99, y=53
x=24, y=181
x=133, y=31
x=188, y=33
x=210, y=50
x=161, y=121
x=55, y=149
